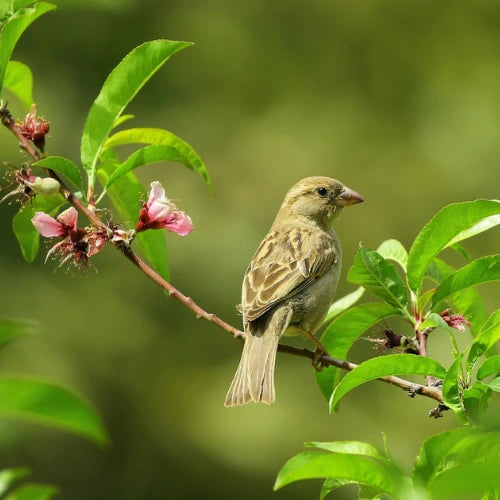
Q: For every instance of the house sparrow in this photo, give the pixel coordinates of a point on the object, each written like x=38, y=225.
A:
x=290, y=282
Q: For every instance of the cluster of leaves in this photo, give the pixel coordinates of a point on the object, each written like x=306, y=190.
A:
x=45, y=403
x=464, y=461
x=99, y=158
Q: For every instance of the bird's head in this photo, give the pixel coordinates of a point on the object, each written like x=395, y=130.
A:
x=319, y=198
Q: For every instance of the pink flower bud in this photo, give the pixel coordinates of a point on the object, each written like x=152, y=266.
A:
x=35, y=128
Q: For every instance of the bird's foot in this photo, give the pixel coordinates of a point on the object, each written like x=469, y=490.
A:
x=317, y=362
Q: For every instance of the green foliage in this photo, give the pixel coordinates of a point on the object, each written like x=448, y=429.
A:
x=452, y=224
x=479, y=271
x=50, y=404
x=8, y=477
x=393, y=364
x=32, y=491
x=379, y=277
x=341, y=334
x=180, y=150
x=445, y=461
x=488, y=336
x=12, y=30
x=344, y=463
x=19, y=80
x=63, y=166
x=454, y=464
x=121, y=86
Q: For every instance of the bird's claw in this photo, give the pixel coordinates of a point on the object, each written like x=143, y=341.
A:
x=316, y=360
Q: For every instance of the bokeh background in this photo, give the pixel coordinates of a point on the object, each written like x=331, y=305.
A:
x=400, y=100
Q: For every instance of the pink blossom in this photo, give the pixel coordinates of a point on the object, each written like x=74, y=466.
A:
x=160, y=212
x=48, y=226
x=76, y=244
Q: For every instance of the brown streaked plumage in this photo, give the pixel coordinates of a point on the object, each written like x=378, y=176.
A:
x=290, y=282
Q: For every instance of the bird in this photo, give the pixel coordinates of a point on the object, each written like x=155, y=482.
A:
x=290, y=282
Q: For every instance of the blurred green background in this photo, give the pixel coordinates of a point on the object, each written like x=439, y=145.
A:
x=399, y=100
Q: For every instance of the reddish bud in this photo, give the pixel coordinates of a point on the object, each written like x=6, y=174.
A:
x=457, y=321
x=35, y=128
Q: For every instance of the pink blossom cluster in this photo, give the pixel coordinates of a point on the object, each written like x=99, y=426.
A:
x=78, y=245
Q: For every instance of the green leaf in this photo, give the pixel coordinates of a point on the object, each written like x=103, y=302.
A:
x=479, y=271
x=160, y=137
x=378, y=276
x=434, y=320
x=486, y=339
x=13, y=29
x=433, y=454
x=126, y=195
x=330, y=484
x=452, y=224
x=62, y=166
x=392, y=364
x=19, y=4
x=491, y=321
x=121, y=119
x=395, y=251
x=349, y=448
x=443, y=455
x=341, y=334
x=462, y=251
x=494, y=384
x=467, y=480
x=340, y=305
x=451, y=393
x=14, y=329
x=26, y=234
x=52, y=405
x=32, y=491
x=489, y=367
x=321, y=464
x=121, y=86
x=476, y=401
x=144, y=156
x=19, y=80
x=9, y=477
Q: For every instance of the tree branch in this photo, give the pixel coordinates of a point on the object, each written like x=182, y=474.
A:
x=411, y=388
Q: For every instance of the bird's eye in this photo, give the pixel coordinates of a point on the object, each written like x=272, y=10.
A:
x=322, y=191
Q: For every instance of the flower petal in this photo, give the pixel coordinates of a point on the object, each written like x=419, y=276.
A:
x=48, y=226
x=160, y=210
x=181, y=223
x=69, y=217
x=157, y=193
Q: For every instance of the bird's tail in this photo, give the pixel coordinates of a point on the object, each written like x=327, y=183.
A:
x=254, y=379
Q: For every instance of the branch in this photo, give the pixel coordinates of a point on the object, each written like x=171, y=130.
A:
x=421, y=336
x=324, y=360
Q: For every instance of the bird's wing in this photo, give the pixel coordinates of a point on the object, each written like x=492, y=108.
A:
x=285, y=263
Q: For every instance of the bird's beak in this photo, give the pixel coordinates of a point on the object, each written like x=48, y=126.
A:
x=348, y=197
